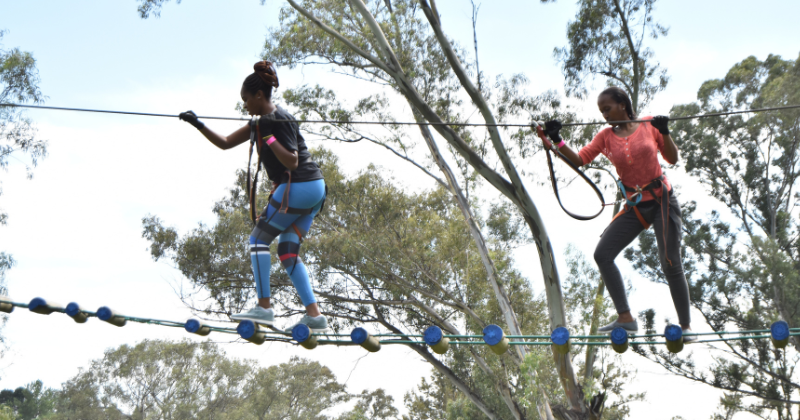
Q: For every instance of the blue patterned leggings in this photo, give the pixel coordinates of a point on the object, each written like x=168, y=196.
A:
x=272, y=224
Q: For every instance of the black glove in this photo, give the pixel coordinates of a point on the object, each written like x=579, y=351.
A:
x=551, y=128
x=191, y=118
x=660, y=123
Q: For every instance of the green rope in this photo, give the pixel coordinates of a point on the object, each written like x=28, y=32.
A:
x=458, y=339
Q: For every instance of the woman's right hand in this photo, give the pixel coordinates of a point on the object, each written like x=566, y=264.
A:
x=551, y=128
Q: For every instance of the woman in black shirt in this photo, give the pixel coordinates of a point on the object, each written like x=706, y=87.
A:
x=298, y=195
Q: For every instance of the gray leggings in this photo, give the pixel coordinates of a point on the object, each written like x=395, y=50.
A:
x=622, y=231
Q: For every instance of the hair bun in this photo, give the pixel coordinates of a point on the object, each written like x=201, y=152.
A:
x=266, y=71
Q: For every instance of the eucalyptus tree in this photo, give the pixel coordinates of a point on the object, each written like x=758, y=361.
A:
x=372, y=405
x=607, y=40
x=158, y=379
x=33, y=401
x=19, y=82
x=743, y=258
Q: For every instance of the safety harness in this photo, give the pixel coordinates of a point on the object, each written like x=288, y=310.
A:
x=252, y=187
x=629, y=204
x=663, y=202
x=549, y=146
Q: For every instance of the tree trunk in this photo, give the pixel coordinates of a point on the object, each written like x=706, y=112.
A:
x=512, y=324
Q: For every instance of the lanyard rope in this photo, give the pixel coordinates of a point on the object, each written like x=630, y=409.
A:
x=551, y=147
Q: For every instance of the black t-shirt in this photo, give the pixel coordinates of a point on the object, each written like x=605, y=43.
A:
x=288, y=134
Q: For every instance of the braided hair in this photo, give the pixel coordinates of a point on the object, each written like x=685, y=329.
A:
x=263, y=78
x=621, y=97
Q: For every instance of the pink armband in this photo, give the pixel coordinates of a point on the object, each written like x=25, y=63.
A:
x=559, y=145
x=270, y=140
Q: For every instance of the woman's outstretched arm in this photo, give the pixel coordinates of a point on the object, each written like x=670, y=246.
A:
x=234, y=139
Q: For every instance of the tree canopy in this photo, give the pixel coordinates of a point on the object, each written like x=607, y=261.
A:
x=606, y=39
x=173, y=380
x=19, y=82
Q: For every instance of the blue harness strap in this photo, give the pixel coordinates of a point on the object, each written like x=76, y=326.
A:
x=624, y=190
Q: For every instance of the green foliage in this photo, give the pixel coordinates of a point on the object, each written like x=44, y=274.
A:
x=6, y=263
x=214, y=257
x=372, y=405
x=187, y=380
x=33, y=401
x=607, y=39
x=296, y=390
x=743, y=264
x=297, y=41
x=157, y=379
x=19, y=82
x=430, y=399
x=6, y=412
x=437, y=399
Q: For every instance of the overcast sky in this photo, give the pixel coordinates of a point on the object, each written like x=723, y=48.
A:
x=75, y=229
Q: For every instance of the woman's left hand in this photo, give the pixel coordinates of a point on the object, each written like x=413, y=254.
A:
x=191, y=118
x=660, y=123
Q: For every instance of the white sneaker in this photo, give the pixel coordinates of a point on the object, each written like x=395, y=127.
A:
x=315, y=324
x=258, y=315
x=630, y=327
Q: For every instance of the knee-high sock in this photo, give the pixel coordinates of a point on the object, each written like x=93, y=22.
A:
x=260, y=259
x=288, y=249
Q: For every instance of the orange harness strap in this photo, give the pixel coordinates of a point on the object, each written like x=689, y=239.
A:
x=641, y=218
x=663, y=203
x=638, y=216
x=297, y=231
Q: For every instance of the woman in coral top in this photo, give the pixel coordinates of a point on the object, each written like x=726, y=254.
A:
x=633, y=148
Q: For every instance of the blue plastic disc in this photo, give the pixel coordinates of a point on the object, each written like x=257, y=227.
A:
x=301, y=332
x=779, y=330
x=619, y=336
x=673, y=332
x=492, y=335
x=105, y=313
x=194, y=325
x=36, y=303
x=359, y=335
x=433, y=335
x=559, y=336
x=73, y=309
x=246, y=329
